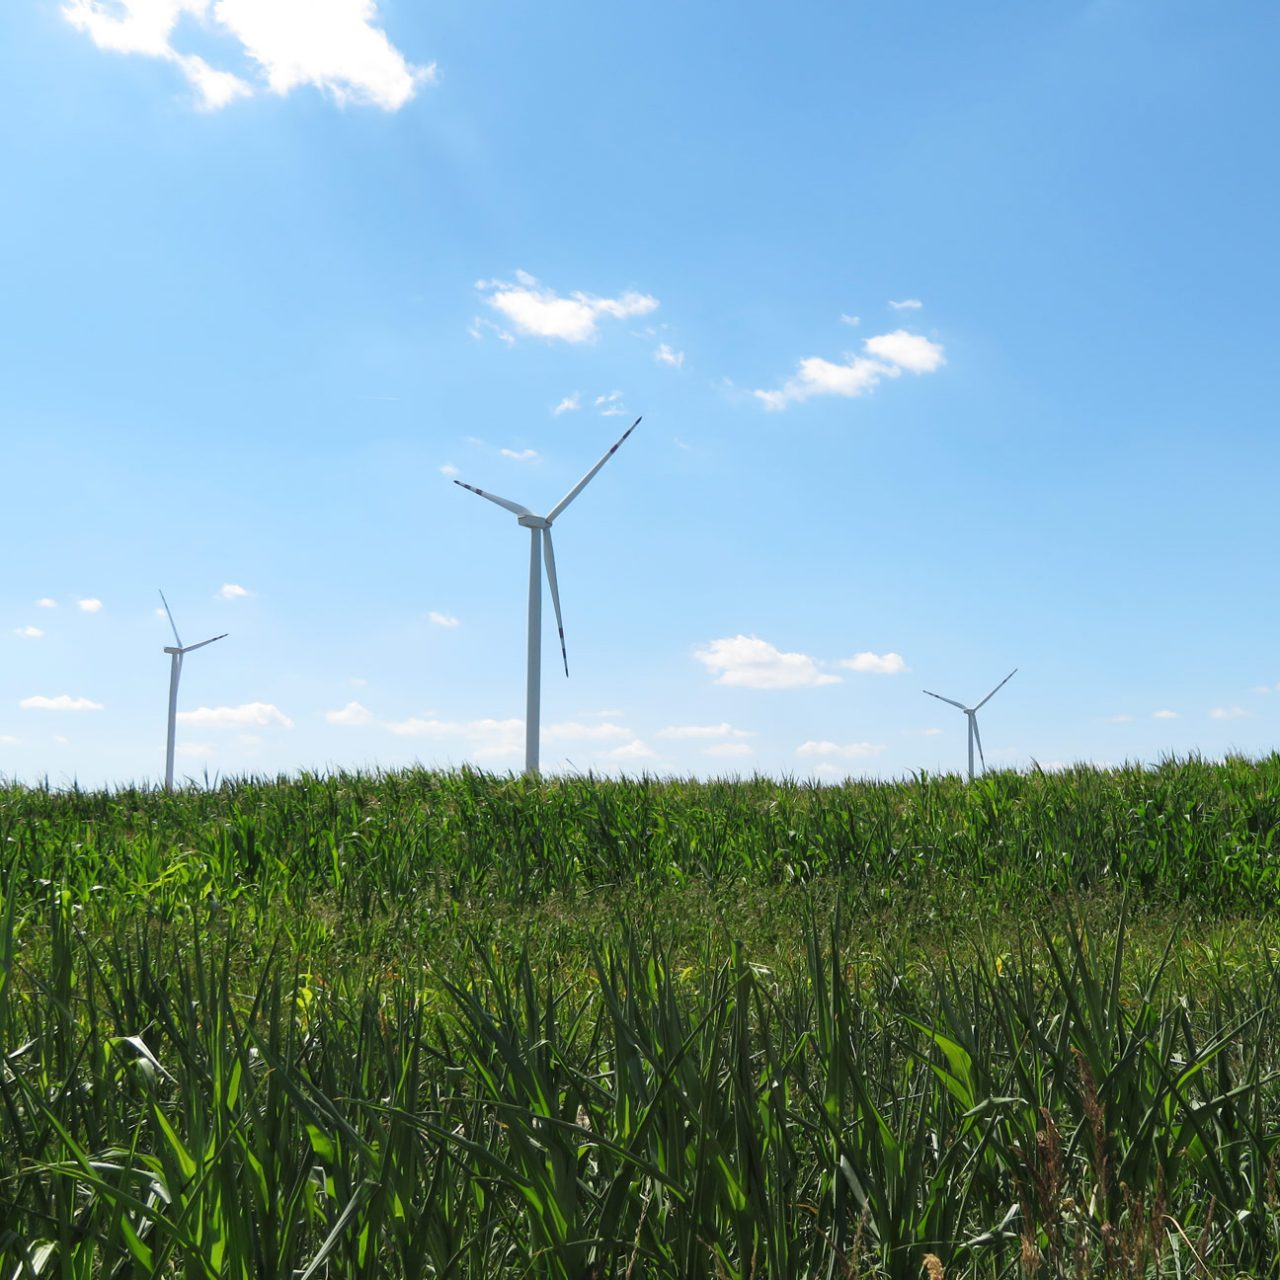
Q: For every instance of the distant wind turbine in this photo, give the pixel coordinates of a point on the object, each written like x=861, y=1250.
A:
x=537, y=547
x=177, y=653
x=972, y=713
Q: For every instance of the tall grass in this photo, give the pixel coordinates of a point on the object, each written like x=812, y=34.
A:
x=271, y=1030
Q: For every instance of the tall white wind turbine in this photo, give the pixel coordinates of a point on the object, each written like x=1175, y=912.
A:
x=176, y=653
x=972, y=713
x=539, y=544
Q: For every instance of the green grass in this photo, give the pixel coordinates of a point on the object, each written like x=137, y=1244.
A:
x=425, y=1024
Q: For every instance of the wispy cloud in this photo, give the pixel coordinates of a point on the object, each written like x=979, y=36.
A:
x=537, y=311
x=443, y=619
x=573, y=731
x=635, y=750
x=449, y=470
x=352, y=715
x=1230, y=713
x=483, y=739
x=334, y=46
x=29, y=633
x=665, y=355
x=728, y=750
x=683, y=732
x=569, y=404
x=751, y=663
x=907, y=304
x=884, y=356
x=844, y=750
x=922, y=733
x=881, y=664
x=261, y=715
x=90, y=605
x=231, y=591
x=852, y=321
x=1122, y=718
x=519, y=455
x=63, y=702
x=610, y=405
x=46, y=602
x=1164, y=714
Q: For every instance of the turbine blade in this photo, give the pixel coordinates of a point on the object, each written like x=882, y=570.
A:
x=940, y=698
x=191, y=648
x=977, y=737
x=582, y=484
x=549, y=556
x=997, y=689
x=173, y=624
x=514, y=507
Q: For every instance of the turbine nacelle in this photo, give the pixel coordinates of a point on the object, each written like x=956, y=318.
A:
x=533, y=522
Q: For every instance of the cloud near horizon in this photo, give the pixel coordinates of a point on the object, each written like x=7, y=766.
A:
x=881, y=664
x=63, y=702
x=751, y=663
x=334, y=46
x=260, y=715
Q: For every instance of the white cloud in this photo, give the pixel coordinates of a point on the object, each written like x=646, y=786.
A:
x=751, y=663
x=571, y=731
x=1229, y=713
x=1122, y=718
x=845, y=750
x=853, y=321
x=910, y=351
x=634, y=750
x=46, y=602
x=1164, y=715
x=197, y=749
x=353, y=714
x=90, y=605
x=610, y=405
x=907, y=304
x=665, y=355
x=63, y=702
x=333, y=45
x=449, y=470
x=881, y=664
x=686, y=731
x=522, y=455
x=443, y=619
x=262, y=715
x=8, y=740
x=887, y=354
x=543, y=313
x=30, y=633
x=1265, y=688
x=569, y=404
x=231, y=591
x=728, y=750
x=485, y=739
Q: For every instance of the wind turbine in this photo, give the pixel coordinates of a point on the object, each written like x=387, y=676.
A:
x=972, y=713
x=176, y=653
x=538, y=546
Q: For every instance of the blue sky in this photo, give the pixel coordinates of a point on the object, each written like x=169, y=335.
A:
x=951, y=327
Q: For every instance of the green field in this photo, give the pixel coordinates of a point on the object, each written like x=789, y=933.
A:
x=427, y=1024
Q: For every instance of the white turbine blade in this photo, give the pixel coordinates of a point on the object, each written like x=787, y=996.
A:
x=582, y=484
x=550, y=558
x=514, y=507
x=940, y=698
x=191, y=648
x=173, y=624
x=997, y=689
x=977, y=737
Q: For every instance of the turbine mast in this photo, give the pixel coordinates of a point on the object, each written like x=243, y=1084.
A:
x=533, y=696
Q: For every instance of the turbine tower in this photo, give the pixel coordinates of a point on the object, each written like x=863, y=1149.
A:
x=972, y=713
x=176, y=653
x=539, y=545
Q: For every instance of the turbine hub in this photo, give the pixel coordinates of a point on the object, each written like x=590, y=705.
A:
x=533, y=522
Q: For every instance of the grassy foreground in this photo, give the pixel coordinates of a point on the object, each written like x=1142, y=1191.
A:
x=455, y=1025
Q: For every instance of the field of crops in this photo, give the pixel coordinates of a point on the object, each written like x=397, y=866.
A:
x=431, y=1024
